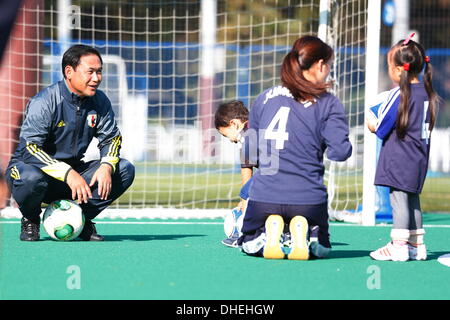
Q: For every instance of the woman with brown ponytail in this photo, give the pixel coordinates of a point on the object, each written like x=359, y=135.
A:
x=404, y=124
x=294, y=123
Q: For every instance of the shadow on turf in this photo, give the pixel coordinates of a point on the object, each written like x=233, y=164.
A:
x=149, y=237
x=434, y=255
x=339, y=244
x=363, y=253
x=348, y=253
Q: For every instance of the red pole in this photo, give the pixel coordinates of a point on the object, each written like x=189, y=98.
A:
x=19, y=74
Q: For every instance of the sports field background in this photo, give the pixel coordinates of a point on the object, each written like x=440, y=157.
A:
x=217, y=186
x=184, y=260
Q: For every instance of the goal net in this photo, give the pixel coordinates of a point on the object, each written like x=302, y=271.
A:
x=167, y=66
x=347, y=33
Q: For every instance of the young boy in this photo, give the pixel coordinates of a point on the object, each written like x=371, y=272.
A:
x=231, y=120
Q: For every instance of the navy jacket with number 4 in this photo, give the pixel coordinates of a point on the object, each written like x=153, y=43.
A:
x=287, y=141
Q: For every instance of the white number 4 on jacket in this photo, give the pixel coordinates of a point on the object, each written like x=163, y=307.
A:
x=279, y=135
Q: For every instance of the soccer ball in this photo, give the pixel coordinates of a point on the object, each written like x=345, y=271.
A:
x=233, y=222
x=377, y=102
x=63, y=220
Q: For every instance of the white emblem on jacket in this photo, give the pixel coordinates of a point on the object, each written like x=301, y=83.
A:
x=92, y=120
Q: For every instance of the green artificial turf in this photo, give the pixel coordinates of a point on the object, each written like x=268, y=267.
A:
x=179, y=260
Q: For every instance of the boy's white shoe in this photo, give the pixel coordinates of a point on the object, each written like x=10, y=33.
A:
x=418, y=252
x=391, y=252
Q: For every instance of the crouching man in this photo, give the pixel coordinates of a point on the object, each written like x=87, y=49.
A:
x=59, y=124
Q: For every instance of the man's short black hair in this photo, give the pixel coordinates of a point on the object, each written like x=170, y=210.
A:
x=228, y=111
x=73, y=55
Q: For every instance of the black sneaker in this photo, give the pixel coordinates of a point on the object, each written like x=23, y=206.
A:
x=89, y=232
x=29, y=230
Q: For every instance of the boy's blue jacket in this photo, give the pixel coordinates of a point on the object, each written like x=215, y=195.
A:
x=59, y=126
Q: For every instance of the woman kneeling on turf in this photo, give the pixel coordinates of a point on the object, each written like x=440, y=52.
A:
x=290, y=128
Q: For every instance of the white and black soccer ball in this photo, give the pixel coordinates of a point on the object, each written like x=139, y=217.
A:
x=232, y=224
x=63, y=220
x=379, y=101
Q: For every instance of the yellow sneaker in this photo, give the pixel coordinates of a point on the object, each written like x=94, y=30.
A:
x=299, y=233
x=274, y=228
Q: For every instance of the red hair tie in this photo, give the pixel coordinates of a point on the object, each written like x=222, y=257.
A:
x=427, y=59
x=406, y=66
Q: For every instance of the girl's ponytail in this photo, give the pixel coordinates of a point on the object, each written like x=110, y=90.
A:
x=403, y=108
x=432, y=95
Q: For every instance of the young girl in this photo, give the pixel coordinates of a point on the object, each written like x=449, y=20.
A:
x=292, y=126
x=404, y=123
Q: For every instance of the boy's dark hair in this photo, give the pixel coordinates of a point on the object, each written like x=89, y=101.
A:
x=73, y=55
x=228, y=111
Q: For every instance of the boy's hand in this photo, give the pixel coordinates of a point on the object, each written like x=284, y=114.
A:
x=246, y=174
x=242, y=205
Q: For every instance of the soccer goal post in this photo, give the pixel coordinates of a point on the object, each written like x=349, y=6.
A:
x=371, y=91
x=169, y=64
x=352, y=28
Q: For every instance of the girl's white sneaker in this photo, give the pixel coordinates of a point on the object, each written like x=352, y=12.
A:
x=391, y=252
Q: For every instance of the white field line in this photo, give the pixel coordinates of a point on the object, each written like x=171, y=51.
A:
x=14, y=221
x=170, y=216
